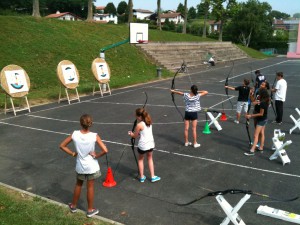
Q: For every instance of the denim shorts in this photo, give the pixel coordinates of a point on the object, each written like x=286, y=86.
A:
x=261, y=123
x=190, y=115
x=92, y=176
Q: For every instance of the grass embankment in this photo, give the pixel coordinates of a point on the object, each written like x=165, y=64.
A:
x=21, y=209
x=38, y=45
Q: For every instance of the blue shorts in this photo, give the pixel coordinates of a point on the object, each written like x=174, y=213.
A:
x=261, y=123
x=191, y=115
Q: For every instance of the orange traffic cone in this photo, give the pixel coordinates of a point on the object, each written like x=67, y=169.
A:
x=223, y=117
x=109, y=180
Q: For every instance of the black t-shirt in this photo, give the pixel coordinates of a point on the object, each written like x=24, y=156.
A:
x=265, y=106
x=243, y=93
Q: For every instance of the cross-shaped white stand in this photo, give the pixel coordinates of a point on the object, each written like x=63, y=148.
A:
x=214, y=120
x=279, y=146
x=231, y=213
x=297, y=122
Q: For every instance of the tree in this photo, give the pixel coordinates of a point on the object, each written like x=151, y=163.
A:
x=121, y=9
x=185, y=17
x=180, y=8
x=255, y=26
x=192, y=14
x=130, y=11
x=205, y=7
x=223, y=10
x=110, y=9
x=158, y=15
x=279, y=15
x=296, y=15
x=36, y=8
x=90, y=11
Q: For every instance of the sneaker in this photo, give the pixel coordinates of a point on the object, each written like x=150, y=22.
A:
x=236, y=121
x=250, y=153
x=274, y=121
x=187, y=144
x=72, y=209
x=197, y=145
x=92, y=213
x=142, y=179
x=258, y=144
x=155, y=178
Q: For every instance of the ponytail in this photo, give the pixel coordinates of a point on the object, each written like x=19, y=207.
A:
x=145, y=116
x=194, y=89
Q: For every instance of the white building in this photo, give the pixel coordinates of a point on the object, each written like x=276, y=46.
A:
x=175, y=17
x=141, y=14
x=106, y=18
x=64, y=16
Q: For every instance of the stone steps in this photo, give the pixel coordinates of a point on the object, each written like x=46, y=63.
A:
x=170, y=55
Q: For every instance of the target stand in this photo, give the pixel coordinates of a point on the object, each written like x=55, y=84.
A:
x=279, y=147
x=214, y=120
x=101, y=73
x=297, y=122
x=232, y=212
x=69, y=77
x=16, y=84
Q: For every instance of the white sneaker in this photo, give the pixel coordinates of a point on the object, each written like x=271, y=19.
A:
x=197, y=145
x=187, y=144
x=237, y=122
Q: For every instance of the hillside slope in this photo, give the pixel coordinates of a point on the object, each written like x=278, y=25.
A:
x=38, y=45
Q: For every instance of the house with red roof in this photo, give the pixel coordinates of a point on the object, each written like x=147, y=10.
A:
x=64, y=16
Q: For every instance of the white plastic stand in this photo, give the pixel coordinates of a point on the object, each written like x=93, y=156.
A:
x=278, y=214
x=279, y=146
x=297, y=122
x=214, y=120
x=13, y=106
x=232, y=213
x=67, y=94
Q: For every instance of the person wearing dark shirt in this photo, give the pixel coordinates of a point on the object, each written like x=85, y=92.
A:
x=261, y=118
x=242, y=104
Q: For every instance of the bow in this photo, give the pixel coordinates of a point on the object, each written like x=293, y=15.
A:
x=226, y=83
x=247, y=128
x=133, y=139
x=181, y=69
x=272, y=104
x=236, y=191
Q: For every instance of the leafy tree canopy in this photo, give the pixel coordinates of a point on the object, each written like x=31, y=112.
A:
x=110, y=9
x=192, y=14
x=180, y=8
x=122, y=7
x=279, y=15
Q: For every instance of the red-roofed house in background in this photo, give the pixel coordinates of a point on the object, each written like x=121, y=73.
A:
x=141, y=14
x=64, y=16
x=175, y=17
x=105, y=18
x=100, y=9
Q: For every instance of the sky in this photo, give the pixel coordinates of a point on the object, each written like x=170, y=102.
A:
x=286, y=6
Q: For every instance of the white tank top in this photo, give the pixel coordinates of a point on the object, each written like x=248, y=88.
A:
x=84, y=144
x=146, y=141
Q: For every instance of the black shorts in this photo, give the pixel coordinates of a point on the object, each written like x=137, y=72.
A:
x=191, y=115
x=144, y=151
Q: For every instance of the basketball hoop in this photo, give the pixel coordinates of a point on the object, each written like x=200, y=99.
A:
x=142, y=41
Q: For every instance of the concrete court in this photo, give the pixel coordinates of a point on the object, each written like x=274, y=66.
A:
x=31, y=160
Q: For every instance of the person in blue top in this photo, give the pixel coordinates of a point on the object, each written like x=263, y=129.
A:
x=192, y=106
x=261, y=115
x=87, y=166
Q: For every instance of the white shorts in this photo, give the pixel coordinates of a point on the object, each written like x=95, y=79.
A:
x=242, y=107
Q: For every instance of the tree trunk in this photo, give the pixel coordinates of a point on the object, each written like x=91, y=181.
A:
x=130, y=11
x=204, y=28
x=90, y=11
x=185, y=17
x=158, y=15
x=221, y=31
x=36, y=8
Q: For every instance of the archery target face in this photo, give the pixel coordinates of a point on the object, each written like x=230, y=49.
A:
x=69, y=74
x=102, y=71
x=16, y=81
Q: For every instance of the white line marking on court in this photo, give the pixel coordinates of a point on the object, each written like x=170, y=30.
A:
x=99, y=123
x=168, y=152
x=251, y=71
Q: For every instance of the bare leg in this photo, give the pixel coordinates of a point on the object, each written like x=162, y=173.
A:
x=186, y=130
x=141, y=165
x=150, y=163
x=262, y=138
x=77, y=191
x=256, y=135
x=194, y=129
x=90, y=194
